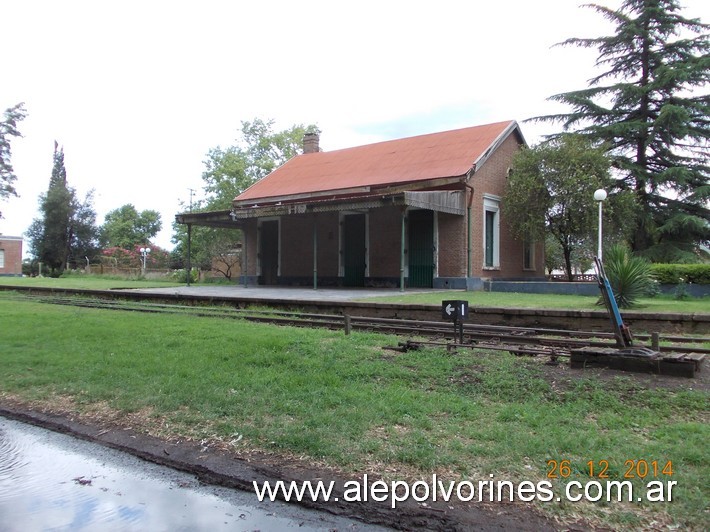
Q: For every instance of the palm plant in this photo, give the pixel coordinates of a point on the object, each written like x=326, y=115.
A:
x=629, y=275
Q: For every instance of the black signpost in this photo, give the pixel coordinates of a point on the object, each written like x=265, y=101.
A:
x=455, y=310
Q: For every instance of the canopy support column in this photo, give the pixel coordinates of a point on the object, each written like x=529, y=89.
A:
x=315, y=253
x=402, y=251
x=188, y=267
x=245, y=265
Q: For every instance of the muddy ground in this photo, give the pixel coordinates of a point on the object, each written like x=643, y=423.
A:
x=219, y=466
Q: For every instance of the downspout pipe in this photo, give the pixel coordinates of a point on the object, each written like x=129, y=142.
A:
x=468, y=234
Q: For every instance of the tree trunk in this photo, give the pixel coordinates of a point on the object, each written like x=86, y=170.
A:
x=567, y=253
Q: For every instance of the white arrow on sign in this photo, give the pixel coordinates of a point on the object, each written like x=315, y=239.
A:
x=449, y=309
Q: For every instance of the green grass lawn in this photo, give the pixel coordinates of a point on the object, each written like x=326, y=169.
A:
x=345, y=402
x=86, y=282
x=549, y=301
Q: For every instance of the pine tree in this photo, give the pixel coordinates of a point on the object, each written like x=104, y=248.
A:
x=649, y=109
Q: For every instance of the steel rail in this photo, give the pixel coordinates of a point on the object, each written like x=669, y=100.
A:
x=515, y=339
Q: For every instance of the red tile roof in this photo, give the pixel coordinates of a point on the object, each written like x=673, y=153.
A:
x=394, y=162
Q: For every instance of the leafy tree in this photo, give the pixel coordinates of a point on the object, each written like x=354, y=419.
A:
x=84, y=243
x=554, y=260
x=8, y=129
x=126, y=228
x=66, y=232
x=206, y=244
x=228, y=172
x=650, y=108
x=555, y=182
x=581, y=259
x=225, y=177
x=211, y=248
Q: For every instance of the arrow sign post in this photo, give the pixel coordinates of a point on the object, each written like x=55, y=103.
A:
x=455, y=310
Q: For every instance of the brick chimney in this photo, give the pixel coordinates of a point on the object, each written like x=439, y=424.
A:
x=311, y=143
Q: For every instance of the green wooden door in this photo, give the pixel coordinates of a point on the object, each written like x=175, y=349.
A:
x=421, y=249
x=354, y=249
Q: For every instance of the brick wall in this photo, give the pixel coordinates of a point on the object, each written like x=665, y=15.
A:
x=328, y=242
x=385, y=242
x=251, y=245
x=491, y=179
x=297, y=245
x=12, y=251
x=452, y=250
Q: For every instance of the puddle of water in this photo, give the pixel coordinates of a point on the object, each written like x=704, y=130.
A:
x=50, y=481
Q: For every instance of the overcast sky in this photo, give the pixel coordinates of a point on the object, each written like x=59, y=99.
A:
x=137, y=92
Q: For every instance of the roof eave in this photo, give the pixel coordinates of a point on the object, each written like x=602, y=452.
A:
x=221, y=219
x=389, y=188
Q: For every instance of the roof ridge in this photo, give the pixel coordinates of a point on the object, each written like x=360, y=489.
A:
x=411, y=137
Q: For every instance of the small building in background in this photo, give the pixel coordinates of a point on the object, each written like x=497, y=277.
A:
x=10, y=256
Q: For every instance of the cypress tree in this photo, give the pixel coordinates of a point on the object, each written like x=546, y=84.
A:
x=51, y=236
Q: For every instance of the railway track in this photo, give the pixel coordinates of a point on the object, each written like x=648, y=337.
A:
x=519, y=340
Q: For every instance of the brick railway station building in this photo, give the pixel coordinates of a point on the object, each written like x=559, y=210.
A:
x=422, y=211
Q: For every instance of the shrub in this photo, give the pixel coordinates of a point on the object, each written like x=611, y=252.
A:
x=629, y=276
x=681, y=273
x=681, y=292
x=30, y=268
x=180, y=276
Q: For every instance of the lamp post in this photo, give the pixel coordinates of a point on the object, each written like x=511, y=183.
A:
x=600, y=196
x=144, y=256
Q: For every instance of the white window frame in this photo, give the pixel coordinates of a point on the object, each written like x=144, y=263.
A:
x=2, y=259
x=491, y=203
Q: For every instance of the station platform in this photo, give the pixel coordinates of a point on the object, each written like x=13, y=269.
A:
x=283, y=293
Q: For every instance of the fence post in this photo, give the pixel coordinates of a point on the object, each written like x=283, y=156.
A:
x=348, y=324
